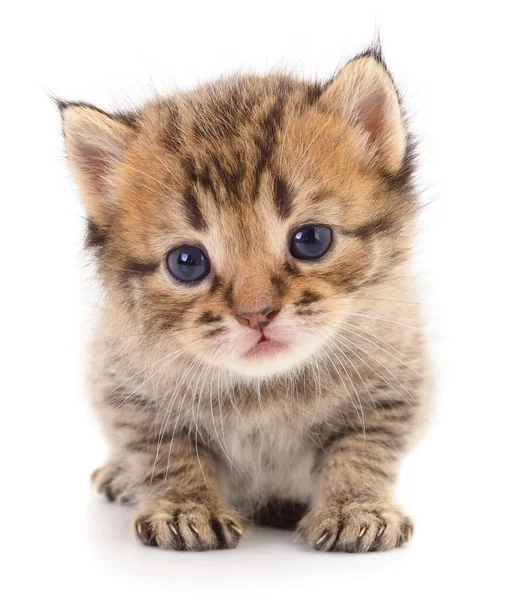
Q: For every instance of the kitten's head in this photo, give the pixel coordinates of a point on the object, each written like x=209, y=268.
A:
x=241, y=221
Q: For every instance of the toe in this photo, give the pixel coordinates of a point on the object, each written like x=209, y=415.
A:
x=356, y=527
x=185, y=527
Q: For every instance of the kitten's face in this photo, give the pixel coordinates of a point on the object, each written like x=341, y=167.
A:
x=243, y=221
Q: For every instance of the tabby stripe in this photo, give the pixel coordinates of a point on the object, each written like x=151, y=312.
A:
x=134, y=268
x=369, y=229
x=282, y=198
x=193, y=212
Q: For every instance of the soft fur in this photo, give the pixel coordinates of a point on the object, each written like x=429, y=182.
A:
x=203, y=438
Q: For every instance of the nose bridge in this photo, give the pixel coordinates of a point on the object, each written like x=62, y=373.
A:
x=252, y=268
x=254, y=292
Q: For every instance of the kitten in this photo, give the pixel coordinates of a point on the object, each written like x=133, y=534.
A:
x=259, y=356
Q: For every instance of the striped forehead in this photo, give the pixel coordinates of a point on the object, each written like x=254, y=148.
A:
x=225, y=138
x=244, y=157
x=207, y=201
x=244, y=232
x=235, y=174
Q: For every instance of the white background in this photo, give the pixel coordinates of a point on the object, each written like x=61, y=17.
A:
x=451, y=61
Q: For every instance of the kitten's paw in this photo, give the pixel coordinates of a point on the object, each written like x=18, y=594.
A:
x=110, y=481
x=188, y=526
x=356, y=527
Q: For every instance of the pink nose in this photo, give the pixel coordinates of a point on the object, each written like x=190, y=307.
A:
x=257, y=320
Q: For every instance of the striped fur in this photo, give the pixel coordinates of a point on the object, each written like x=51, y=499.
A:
x=203, y=440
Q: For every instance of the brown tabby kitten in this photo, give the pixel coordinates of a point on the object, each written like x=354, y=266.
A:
x=259, y=355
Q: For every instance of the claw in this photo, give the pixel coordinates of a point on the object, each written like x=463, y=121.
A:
x=194, y=529
x=321, y=538
x=381, y=530
x=172, y=528
x=362, y=531
x=236, y=529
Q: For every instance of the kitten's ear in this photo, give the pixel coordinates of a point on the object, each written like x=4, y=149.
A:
x=95, y=143
x=366, y=97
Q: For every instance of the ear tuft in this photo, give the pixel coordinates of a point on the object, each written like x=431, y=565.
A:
x=366, y=97
x=95, y=143
x=374, y=51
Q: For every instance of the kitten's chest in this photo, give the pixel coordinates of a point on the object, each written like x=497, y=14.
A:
x=263, y=459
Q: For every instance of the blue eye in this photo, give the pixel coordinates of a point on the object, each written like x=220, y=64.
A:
x=311, y=242
x=188, y=264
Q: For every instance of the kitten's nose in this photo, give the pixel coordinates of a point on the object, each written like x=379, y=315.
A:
x=259, y=319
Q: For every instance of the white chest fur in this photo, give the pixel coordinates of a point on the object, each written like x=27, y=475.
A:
x=263, y=460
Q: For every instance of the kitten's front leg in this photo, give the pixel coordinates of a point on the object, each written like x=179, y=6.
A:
x=181, y=507
x=353, y=511
x=179, y=500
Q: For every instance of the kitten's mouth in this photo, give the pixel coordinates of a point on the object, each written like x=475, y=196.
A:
x=265, y=347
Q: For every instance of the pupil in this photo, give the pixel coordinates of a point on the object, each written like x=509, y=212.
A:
x=308, y=236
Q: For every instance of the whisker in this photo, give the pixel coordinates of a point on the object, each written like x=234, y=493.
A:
x=196, y=363
x=318, y=391
x=214, y=423
x=361, y=415
x=219, y=405
x=373, y=370
x=383, y=349
x=140, y=386
x=348, y=395
x=393, y=300
x=149, y=367
x=356, y=371
x=197, y=430
x=383, y=319
x=166, y=417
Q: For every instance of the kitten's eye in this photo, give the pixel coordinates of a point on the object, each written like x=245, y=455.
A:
x=188, y=264
x=311, y=242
